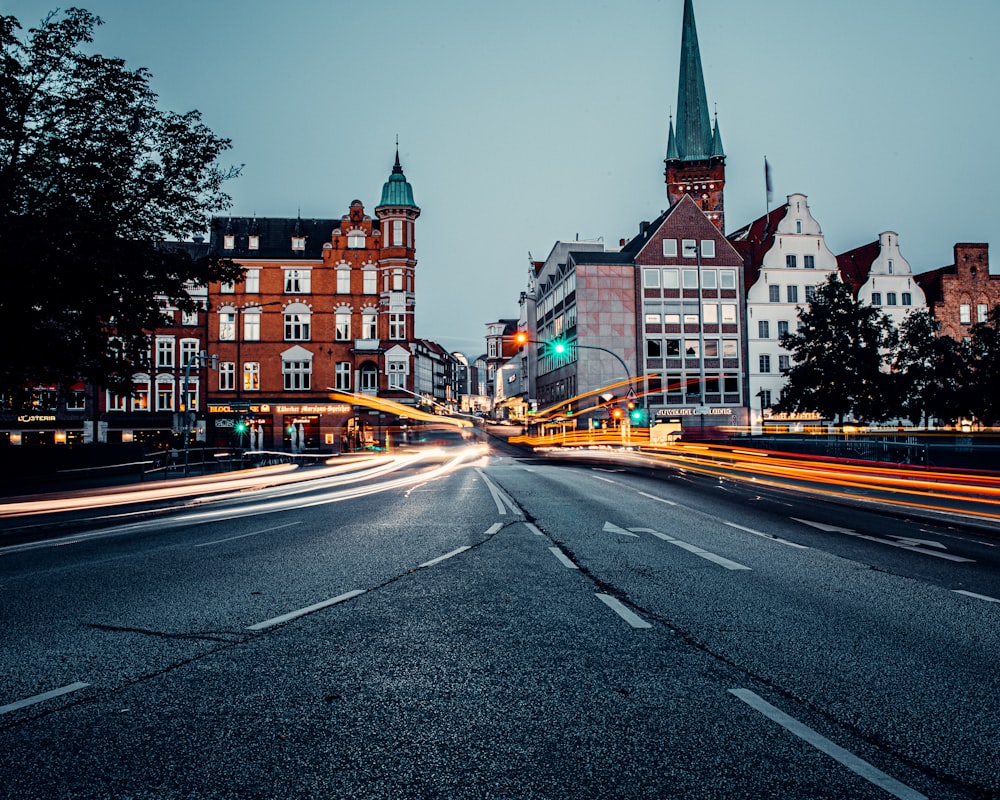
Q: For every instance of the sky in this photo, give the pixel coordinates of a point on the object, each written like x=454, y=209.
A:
x=525, y=122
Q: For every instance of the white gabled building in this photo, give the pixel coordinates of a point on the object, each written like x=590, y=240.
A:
x=883, y=277
x=796, y=263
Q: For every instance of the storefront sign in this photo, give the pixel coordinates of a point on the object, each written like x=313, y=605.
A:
x=237, y=407
x=36, y=417
x=338, y=408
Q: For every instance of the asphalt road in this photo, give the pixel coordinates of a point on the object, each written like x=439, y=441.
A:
x=510, y=628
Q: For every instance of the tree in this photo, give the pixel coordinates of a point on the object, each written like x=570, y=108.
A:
x=929, y=371
x=983, y=386
x=93, y=180
x=838, y=355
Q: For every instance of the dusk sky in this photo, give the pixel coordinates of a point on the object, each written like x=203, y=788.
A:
x=525, y=122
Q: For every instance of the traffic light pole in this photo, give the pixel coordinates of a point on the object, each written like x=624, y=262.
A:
x=201, y=359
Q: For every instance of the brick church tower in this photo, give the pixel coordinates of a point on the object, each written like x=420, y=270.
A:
x=695, y=162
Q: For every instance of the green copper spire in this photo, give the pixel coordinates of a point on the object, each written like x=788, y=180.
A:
x=717, y=151
x=672, y=154
x=397, y=190
x=694, y=131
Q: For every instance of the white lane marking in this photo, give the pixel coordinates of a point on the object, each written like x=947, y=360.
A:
x=245, y=535
x=606, y=480
x=533, y=529
x=626, y=614
x=821, y=743
x=977, y=596
x=270, y=623
x=773, y=538
x=41, y=698
x=413, y=489
x=496, y=526
x=658, y=499
x=445, y=557
x=708, y=556
x=901, y=545
x=563, y=558
x=610, y=527
x=499, y=496
x=529, y=469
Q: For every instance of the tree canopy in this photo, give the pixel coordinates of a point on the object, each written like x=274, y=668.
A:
x=94, y=179
x=838, y=354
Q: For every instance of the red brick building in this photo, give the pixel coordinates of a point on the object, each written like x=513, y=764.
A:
x=326, y=304
x=963, y=293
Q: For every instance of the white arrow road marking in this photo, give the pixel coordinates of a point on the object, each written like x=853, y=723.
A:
x=722, y=562
x=903, y=544
x=610, y=527
x=919, y=542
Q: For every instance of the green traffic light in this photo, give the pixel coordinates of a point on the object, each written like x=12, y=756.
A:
x=241, y=427
x=559, y=347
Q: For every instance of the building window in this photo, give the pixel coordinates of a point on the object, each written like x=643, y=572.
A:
x=671, y=279
x=763, y=329
x=782, y=328
x=355, y=240
x=728, y=314
x=890, y=266
x=982, y=313
x=810, y=293
x=297, y=375
x=397, y=232
x=140, y=397
x=965, y=314
x=76, y=400
x=251, y=376
x=369, y=326
x=253, y=242
x=343, y=376
x=670, y=248
x=708, y=248
x=709, y=278
x=189, y=318
x=790, y=261
x=651, y=278
x=765, y=398
x=251, y=327
x=397, y=326
x=654, y=348
x=369, y=380
x=227, y=288
x=164, y=351
x=297, y=281
x=727, y=279
x=729, y=348
x=689, y=248
x=343, y=281
x=774, y=293
x=673, y=348
x=690, y=278
x=116, y=402
x=370, y=284
x=397, y=280
x=164, y=396
x=227, y=325
x=342, y=329
x=876, y=298
x=691, y=348
x=397, y=374
x=228, y=241
x=710, y=314
x=711, y=348
x=890, y=298
x=793, y=294
x=784, y=363
x=765, y=363
x=252, y=283
x=297, y=327
x=189, y=351
x=298, y=243
x=809, y=262
x=227, y=376
x=907, y=299
x=189, y=400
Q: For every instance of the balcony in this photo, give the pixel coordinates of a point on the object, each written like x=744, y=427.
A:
x=366, y=345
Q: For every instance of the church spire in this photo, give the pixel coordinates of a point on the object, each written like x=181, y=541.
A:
x=694, y=130
x=696, y=161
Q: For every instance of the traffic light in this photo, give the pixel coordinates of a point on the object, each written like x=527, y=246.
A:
x=637, y=415
x=616, y=413
x=521, y=338
x=559, y=347
x=240, y=427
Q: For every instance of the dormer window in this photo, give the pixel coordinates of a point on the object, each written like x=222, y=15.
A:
x=253, y=243
x=229, y=241
x=298, y=243
x=355, y=239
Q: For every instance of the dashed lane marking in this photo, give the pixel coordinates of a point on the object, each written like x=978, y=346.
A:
x=626, y=614
x=41, y=698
